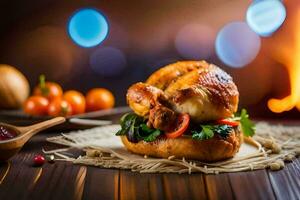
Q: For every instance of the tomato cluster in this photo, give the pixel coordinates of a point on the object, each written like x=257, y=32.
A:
x=49, y=99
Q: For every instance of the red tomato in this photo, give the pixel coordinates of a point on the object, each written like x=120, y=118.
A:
x=98, y=99
x=76, y=100
x=183, y=122
x=59, y=107
x=36, y=105
x=228, y=122
x=50, y=90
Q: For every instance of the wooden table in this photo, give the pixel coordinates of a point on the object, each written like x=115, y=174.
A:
x=63, y=180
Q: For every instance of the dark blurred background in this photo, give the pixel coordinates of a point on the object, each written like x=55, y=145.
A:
x=143, y=36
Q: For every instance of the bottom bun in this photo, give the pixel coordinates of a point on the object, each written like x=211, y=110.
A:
x=210, y=150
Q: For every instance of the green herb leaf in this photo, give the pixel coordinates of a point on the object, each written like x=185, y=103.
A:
x=207, y=132
x=134, y=126
x=152, y=136
x=146, y=129
x=223, y=130
x=124, y=117
x=248, y=127
x=120, y=132
x=127, y=121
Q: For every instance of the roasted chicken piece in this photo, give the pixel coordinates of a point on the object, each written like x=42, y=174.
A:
x=162, y=118
x=202, y=90
x=163, y=77
x=205, y=94
x=151, y=102
x=142, y=97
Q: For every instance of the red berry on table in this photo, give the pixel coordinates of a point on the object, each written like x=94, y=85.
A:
x=39, y=160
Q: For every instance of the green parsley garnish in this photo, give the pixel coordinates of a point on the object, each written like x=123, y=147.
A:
x=208, y=131
x=248, y=127
x=151, y=134
x=135, y=128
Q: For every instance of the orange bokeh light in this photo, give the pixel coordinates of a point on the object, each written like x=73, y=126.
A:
x=293, y=66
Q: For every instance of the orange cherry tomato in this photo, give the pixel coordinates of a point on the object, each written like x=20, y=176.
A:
x=76, y=100
x=50, y=90
x=183, y=122
x=36, y=105
x=228, y=122
x=59, y=107
x=99, y=98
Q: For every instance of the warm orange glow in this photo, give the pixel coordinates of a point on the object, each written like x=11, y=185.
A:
x=293, y=67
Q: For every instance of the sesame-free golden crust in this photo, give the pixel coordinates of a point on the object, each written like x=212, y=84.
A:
x=210, y=150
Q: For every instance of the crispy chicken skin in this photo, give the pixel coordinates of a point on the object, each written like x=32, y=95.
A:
x=163, y=77
x=151, y=102
x=142, y=97
x=202, y=90
x=205, y=94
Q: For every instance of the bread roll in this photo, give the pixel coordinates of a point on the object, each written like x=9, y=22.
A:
x=209, y=150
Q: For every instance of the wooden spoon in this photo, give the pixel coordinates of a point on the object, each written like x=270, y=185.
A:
x=10, y=147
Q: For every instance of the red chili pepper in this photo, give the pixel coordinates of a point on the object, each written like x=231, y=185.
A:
x=228, y=122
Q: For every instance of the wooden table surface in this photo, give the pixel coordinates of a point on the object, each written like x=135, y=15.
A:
x=63, y=180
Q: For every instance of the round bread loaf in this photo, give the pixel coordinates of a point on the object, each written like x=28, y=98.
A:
x=209, y=150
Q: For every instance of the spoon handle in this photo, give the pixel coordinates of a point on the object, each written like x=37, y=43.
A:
x=35, y=128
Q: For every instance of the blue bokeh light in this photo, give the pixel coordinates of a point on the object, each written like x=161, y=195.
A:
x=88, y=27
x=237, y=45
x=265, y=17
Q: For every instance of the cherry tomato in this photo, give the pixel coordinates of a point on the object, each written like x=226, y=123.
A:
x=228, y=122
x=76, y=100
x=182, y=124
x=99, y=98
x=50, y=90
x=36, y=105
x=59, y=107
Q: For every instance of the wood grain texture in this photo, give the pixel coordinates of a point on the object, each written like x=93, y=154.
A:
x=66, y=181
x=175, y=187
x=251, y=185
x=218, y=186
x=101, y=183
x=197, y=186
x=140, y=186
x=286, y=182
